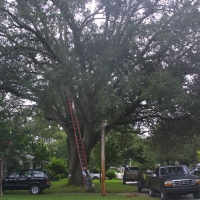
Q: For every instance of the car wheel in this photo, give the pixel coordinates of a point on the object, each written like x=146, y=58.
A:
x=139, y=187
x=95, y=178
x=35, y=189
x=124, y=181
x=152, y=192
x=196, y=195
x=163, y=194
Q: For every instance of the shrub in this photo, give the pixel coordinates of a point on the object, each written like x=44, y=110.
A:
x=110, y=174
x=56, y=168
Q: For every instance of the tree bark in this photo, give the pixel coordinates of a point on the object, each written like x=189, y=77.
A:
x=1, y=175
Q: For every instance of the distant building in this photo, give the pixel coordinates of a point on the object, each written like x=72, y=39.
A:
x=23, y=161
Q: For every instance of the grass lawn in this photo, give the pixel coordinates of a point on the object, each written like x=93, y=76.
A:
x=69, y=196
x=112, y=186
x=60, y=190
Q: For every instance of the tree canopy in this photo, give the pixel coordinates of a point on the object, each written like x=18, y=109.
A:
x=130, y=62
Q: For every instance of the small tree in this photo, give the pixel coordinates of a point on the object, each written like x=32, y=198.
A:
x=56, y=168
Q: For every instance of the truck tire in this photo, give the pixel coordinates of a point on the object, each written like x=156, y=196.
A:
x=124, y=181
x=139, y=189
x=196, y=195
x=139, y=186
x=163, y=194
x=152, y=192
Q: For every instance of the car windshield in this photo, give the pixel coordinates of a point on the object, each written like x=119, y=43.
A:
x=173, y=170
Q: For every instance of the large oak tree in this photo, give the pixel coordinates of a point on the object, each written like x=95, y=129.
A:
x=129, y=62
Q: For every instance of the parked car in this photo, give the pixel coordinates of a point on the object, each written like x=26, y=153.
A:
x=192, y=168
x=34, y=180
x=173, y=180
x=196, y=172
x=119, y=175
x=95, y=175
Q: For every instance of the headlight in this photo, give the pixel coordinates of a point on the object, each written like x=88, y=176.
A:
x=197, y=181
x=168, y=184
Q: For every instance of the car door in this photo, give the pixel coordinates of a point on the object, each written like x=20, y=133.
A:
x=25, y=176
x=11, y=181
x=156, y=180
x=39, y=177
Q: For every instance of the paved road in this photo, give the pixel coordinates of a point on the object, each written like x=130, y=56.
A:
x=190, y=196
x=146, y=193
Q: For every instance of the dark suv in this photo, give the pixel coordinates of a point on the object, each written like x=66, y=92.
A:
x=34, y=180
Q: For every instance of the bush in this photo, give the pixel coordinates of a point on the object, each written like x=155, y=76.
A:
x=110, y=174
x=56, y=169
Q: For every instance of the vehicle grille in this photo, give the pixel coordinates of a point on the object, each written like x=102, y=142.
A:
x=186, y=182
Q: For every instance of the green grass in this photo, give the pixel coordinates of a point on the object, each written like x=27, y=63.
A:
x=112, y=186
x=115, y=190
x=95, y=196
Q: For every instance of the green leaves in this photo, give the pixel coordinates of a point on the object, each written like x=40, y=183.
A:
x=57, y=168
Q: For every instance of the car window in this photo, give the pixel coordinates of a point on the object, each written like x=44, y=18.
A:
x=15, y=174
x=176, y=170
x=164, y=171
x=38, y=174
x=25, y=174
x=29, y=173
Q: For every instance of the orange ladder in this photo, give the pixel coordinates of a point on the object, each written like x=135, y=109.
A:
x=77, y=134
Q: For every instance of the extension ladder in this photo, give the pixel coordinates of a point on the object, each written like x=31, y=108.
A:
x=77, y=134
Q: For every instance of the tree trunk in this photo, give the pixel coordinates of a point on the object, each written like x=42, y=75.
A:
x=75, y=170
x=74, y=163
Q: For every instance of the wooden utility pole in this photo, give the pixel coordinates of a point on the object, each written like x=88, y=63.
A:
x=1, y=174
x=100, y=175
x=103, y=159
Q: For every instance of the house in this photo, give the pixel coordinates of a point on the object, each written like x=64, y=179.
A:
x=22, y=161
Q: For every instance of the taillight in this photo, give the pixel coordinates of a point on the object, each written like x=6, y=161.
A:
x=48, y=181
